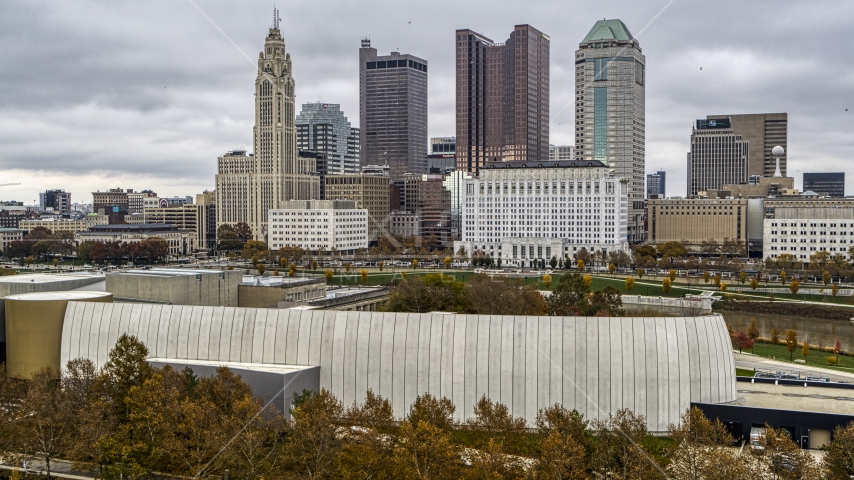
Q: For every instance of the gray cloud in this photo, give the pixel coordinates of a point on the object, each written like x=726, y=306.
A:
x=83, y=103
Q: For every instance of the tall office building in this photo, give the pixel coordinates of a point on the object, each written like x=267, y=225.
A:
x=831, y=183
x=718, y=156
x=248, y=186
x=393, y=111
x=610, y=85
x=322, y=128
x=58, y=200
x=655, y=184
x=502, y=97
x=762, y=132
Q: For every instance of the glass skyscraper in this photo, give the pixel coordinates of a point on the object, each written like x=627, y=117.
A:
x=322, y=128
x=610, y=80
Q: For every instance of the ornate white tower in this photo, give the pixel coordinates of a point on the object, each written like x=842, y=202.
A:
x=249, y=186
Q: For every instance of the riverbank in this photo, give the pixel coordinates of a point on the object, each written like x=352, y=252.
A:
x=824, y=312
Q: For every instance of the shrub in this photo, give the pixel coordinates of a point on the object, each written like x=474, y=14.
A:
x=832, y=360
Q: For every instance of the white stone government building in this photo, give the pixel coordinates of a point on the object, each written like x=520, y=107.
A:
x=315, y=224
x=522, y=212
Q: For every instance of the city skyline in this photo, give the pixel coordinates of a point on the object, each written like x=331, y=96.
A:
x=132, y=120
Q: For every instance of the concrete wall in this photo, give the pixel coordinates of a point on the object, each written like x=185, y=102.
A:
x=277, y=388
x=205, y=288
x=270, y=296
x=685, y=306
x=653, y=366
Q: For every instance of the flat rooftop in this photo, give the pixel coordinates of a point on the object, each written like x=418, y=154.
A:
x=346, y=291
x=258, y=367
x=258, y=281
x=68, y=296
x=46, y=277
x=169, y=272
x=796, y=397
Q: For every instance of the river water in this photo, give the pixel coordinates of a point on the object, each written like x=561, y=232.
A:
x=811, y=329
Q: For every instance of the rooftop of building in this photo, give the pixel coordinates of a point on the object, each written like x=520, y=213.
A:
x=45, y=277
x=279, y=281
x=75, y=294
x=796, y=397
x=130, y=227
x=317, y=205
x=168, y=272
x=348, y=291
x=608, y=30
x=547, y=164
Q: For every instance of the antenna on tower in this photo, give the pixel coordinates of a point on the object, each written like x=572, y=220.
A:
x=275, y=17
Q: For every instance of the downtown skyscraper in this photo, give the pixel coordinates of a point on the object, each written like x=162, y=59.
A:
x=502, y=98
x=248, y=186
x=610, y=84
x=393, y=111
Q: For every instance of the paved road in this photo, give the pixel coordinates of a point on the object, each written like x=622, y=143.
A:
x=58, y=468
x=745, y=360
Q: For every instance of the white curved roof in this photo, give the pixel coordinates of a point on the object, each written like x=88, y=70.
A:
x=596, y=365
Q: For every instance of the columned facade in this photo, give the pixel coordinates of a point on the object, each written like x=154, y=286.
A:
x=522, y=212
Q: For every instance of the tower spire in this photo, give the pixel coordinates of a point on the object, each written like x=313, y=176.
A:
x=275, y=17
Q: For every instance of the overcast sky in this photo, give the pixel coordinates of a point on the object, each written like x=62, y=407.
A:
x=101, y=94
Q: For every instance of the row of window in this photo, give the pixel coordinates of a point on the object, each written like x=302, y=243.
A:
x=813, y=225
x=396, y=64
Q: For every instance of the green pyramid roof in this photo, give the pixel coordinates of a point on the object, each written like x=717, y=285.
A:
x=608, y=30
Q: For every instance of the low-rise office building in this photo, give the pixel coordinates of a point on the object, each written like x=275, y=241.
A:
x=695, y=220
x=315, y=224
x=756, y=187
x=523, y=212
x=405, y=224
x=188, y=216
x=803, y=227
x=369, y=191
x=9, y=235
x=72, y=225
x=269, y=292
x=181, y=242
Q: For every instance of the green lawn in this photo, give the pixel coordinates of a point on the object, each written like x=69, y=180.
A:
x=646, y=286
x=814, y=359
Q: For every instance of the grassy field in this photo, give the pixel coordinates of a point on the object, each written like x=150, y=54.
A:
x=384, y=278
x=814, y=359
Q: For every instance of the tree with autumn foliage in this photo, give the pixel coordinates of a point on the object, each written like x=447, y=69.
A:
x=741, y=340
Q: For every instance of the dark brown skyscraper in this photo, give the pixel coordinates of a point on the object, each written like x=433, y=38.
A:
x=502, y=98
